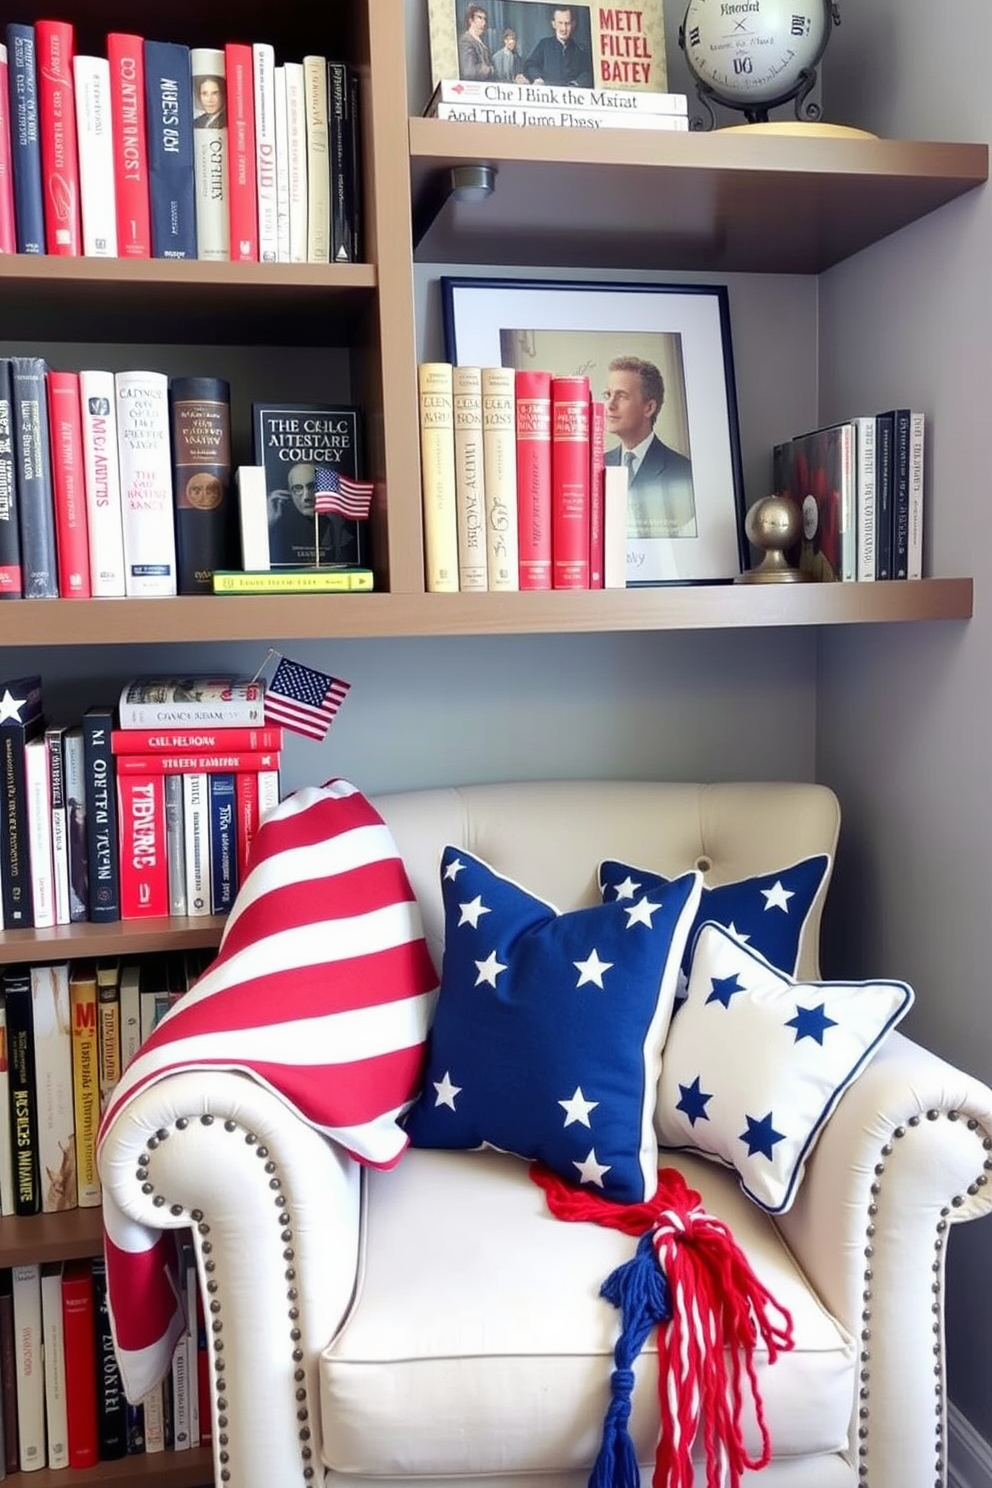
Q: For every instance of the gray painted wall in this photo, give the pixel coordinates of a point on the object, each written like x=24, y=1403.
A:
x=904, y=723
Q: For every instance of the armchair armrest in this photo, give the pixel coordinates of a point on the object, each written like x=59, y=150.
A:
x=274, y=1212
x=906, y=1154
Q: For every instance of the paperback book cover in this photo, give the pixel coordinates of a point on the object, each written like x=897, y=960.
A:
x=542, y=95
x=299, y=444
x=818, y=470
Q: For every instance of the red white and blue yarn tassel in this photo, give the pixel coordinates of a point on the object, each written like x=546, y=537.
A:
x=689, y=1273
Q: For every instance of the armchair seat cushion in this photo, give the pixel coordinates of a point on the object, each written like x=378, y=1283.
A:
x=478, y=1342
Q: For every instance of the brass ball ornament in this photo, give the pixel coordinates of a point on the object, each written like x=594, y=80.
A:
x=775, y=525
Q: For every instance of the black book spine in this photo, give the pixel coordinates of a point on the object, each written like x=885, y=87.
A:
x=15, y=862
x=205, y=510
x=357, y=195
x=33, y=461
x=101, y=816
x=339, y=157
x=8, y=1373
x=900, y=494
x=111, y=1405
x=11, y=576
x=884, y=476
x=22, y=1091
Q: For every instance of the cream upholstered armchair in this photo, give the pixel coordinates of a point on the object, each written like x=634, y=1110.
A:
x=436, y=1322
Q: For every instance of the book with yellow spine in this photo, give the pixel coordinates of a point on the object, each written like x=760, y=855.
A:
x=499, y=442
x=437, y=464
x=85, y=1079
x=294, y=581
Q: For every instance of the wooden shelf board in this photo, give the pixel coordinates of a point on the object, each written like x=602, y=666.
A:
x=707, y=201
x=303, y=617
x=192, y=1469
x=121, y=938
x=51, y=1237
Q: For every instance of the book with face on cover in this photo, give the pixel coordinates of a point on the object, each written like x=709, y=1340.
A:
x=301, y=447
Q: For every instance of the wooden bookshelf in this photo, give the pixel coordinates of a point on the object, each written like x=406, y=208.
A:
x=190, y=1469
x=120, y=938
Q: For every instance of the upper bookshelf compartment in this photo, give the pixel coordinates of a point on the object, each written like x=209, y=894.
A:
x=715, y=201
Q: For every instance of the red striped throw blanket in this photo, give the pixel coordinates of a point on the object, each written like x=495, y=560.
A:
x=322, y=991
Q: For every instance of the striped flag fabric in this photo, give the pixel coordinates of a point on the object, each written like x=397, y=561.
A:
x=341, y=494
x=322, y=990
x=302, y=699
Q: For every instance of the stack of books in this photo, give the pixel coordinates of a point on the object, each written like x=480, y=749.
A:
x=525, y=104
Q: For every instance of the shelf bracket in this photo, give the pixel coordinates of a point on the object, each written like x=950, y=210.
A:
x=467, y=183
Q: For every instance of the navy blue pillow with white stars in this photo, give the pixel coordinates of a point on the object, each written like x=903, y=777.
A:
x=756, y=1062
x=768, y=912
x=549, y=1027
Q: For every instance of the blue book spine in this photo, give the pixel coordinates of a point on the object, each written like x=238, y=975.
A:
x=25, y=139
x=223, y=843
x=169, y=110
x=33, y=464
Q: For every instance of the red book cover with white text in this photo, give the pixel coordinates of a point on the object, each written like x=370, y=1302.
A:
x=242, y=188
x=195, y=740
x=54, y=48
x=72, y=543
x=8, y=239
x=533, y=397
x=182, y=764
x=126, y=56
x=597, y=494
x=246, y=799
x=141, y=825
x=79, y=1334
x=570, y=463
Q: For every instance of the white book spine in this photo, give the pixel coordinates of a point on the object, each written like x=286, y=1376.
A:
x=74, y=766
x=60, y=826
x=192, y=1343
x=499, y=440
x=914, y=558
x=29, y=1366
x=210, y=148
x=470, y=493
x=865, y=464
x=7, y=1205
x=196, y=834
x=53, y=1086
x=296, y=139
x=95, y=145
x=130, y=1012
x=180, y=1394
x=145, y=456
x=39, y=803
x=593, y=120
x=253, y=516
x=175, y=853
x=282, y=167
x=104, y=522
x=318, y=171
x=56, y=1410
x=615, y=527
x=550, y=95
x=268, y=792
x=263, y=59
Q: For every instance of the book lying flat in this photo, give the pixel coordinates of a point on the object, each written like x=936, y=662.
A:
x=293, y=581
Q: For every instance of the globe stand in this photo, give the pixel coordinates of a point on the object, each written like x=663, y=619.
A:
x=774, y=524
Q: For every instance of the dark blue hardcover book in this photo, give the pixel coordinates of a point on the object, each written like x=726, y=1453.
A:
x=101, y=815
x=169, y=114
x=25, y=138
x=223, y=843
x=901, y=418
x=11, y=573
x=21, y=719
x=884, y=477
x=33, y=464
x=111, y=1405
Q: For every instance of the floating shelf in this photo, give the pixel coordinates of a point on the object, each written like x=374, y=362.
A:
x=119, y=938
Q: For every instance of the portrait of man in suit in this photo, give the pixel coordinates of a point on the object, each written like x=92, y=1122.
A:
x=561, y=58
x=660, y=499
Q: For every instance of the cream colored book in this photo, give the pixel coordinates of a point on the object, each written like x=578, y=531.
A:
x=29, y=1355
x=437, y=468
x=263, y=71
x=282, y=167
x=296, y=134
x=470, y=491
x=499, y=440
x=210, y=150
x=53, y=1086
x=85, y=1080
x=318, y=170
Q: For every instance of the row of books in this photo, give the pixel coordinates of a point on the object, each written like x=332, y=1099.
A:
x=62, y=1403
x=516, y=488
x=859, y=484
x=523, y=104
x=107, y=822
x=120, y=483
x=159, y=150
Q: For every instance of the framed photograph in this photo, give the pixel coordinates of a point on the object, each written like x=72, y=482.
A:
x=534, y=42
x=660, y=359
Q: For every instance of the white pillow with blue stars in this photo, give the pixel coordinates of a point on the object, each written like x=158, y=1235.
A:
x=769, y=912
x=755, y=1062
x=549, y=1027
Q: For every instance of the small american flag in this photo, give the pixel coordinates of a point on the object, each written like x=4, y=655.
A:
x=302, y=699
x=339, y=493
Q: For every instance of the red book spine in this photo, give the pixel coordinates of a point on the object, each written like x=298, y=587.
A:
x=141, y=829
x=8, y=237
x=79, y=1328
x=54, y=46
x=597, y=494
x=533, y=400
x=246, y=797
x=180, y=764
x=126, y=56
x=243, y=190
x=72, y=543
x=570, y=445
x=201, y=740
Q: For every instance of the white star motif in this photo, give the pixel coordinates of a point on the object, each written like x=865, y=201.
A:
x=591, y=1170
x=453, y=869
x=641, y=912
x=446, y=1092
x=627, y=889
x=471, y=912
x=577, y=1108
x=488, y=970
x=739, y=934
x=10, y=707
x=591, y=970
x=778, y=897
